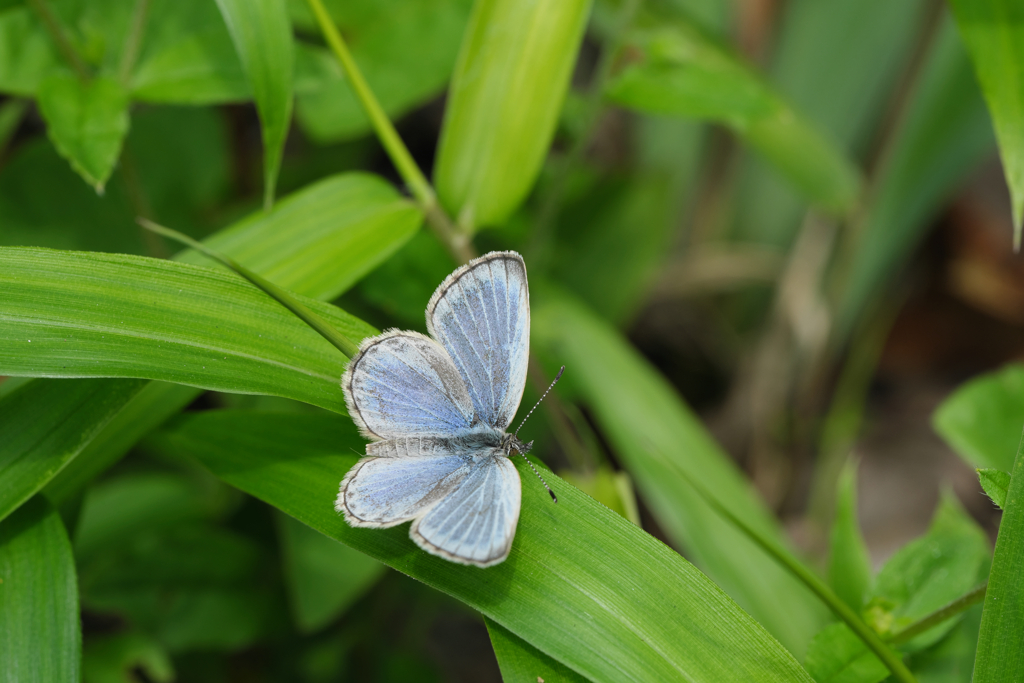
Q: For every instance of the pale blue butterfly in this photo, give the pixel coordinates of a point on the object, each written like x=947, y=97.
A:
x=436, y=409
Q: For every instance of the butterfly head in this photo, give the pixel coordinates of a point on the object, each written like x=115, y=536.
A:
x=511, y=445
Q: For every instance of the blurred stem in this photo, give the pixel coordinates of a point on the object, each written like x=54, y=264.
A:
x=591, y=113
x=133, y=42
x=871, y=639
x=139, y=200
x=60, y=37
x=282, y=296
x=458, y=242
x=965, y=601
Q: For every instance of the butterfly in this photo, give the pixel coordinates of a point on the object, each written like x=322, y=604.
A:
x=436, y=409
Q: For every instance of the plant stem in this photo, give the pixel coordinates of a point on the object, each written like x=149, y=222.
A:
x=60, y=37
x=969, y=599
x=890, y=658
x=283, y=297
x=130, y=52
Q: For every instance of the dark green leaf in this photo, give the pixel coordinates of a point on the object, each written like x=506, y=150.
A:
x=993, y=31
x=983, y=419
x=520, y=661
x=323, y=576
x=662, y=444
x=115, y=658
x=262, y=34
x=79, y=314
x=849, y=566
x=40, y=631
x=87, y=122
x=512, y=73
x=995, y=483
x=1000, y=657
x=951, y=660
x=46, y=424
x=628, y=608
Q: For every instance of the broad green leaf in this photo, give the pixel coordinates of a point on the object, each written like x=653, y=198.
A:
x=837, y=655
x=187, y=57
x=983, y=419
x=661, y=443
x=40, y=630
x=995, y=483
x=836, y=63
x=951, y=660
x=993, y=31
x=620, y=605
x=676, y=71
x=520, y=661
x=510, y=79
x=323, y=577
x=80, y=314
x=943, y=133
x=26, y=52
x=45, y=424
x=262, y=33
x=115, y=658
x=1000, y=657
x=849, y=566
x=406, y=50
x=87, y=122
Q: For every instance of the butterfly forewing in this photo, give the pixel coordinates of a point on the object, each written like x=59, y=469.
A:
x=481, y=315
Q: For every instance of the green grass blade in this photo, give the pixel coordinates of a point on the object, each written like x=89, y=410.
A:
x=46, y=424
x=1000, y=658
x=262, y=33
x=40, y=630
x=520, y=661
x=664, y=446
x=81, y=314
x=582, y=584
x=993, y=31
x=506, y=93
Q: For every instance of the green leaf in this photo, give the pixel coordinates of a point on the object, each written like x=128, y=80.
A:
x=323, y=577
x=262, y=33
x=995, y=483
x=849, y=566
x=993, y=31
x=405, y=49
x=40, y=630
x=87, y=122
x=46, y=424
x=982, y=420
x=511, y=76
x=628, y=608
x=1000, y=658
x=837, y=655
x=662, y=444
x=520, y=661
x=115, y=658
x=951, y=660
x=943, y=133
x=26, y=52
x=679, y=72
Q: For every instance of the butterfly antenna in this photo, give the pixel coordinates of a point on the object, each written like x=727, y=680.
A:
x=528, y=462
x=552, y=386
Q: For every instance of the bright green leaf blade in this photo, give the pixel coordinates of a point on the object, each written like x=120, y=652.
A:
x=1000, y=657
x=40, y=630
x=87, y=122
x=81, y=314
x=323, y=577
x=849, y=566
x=262, y=33
x=993, y=31
x=681, y=73
x=520, y=661
x=837, y=655
x=627, y=608
x=996, y=483
x=512, y=74
x=982, y=419
x=944, y=132
x=661, y=443
x=46, y=424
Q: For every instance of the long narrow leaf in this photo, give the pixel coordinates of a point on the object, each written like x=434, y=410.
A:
x=520, y=661
x=582, y=584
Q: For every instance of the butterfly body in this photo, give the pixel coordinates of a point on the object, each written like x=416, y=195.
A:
x=436, y=409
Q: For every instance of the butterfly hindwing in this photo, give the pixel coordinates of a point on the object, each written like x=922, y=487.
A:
x=481, y=315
